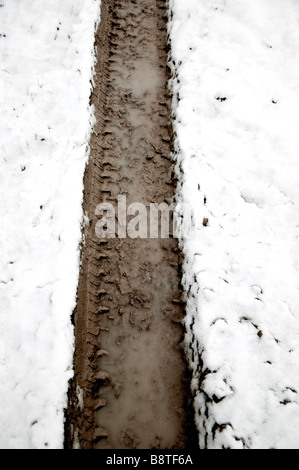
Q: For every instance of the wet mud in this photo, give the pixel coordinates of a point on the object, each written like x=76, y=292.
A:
x=131, y=384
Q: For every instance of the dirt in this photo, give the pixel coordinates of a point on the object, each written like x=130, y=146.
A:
x=131, y=382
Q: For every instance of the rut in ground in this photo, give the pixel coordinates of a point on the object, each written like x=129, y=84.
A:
x=131, y=384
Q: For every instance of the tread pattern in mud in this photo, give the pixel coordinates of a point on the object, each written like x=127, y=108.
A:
x=130, y=384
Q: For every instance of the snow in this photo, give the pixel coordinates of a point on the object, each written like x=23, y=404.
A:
x=236, y=109
x=46, y=57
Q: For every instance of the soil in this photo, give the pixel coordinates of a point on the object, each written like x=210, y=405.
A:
x=131, y=385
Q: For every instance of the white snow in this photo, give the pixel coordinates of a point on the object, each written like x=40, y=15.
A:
x=46, y=62
x=236, y=114
x=236, y=110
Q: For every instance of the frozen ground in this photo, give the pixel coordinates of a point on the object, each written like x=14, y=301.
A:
x=236, y=106
x=46, y=59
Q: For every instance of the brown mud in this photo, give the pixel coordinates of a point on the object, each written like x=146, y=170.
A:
x=131, y=383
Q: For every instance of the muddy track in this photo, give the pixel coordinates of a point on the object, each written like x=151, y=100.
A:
x=131, y=384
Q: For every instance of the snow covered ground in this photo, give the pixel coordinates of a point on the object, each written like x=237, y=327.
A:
x=46, y=60
x=236, y=110
x=236, y=107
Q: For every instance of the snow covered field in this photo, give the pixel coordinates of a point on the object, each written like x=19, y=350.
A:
x=46, y=59
x=236, y=107
x=236, y=112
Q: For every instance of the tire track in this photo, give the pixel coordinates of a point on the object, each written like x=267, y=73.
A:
x=131, y=383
